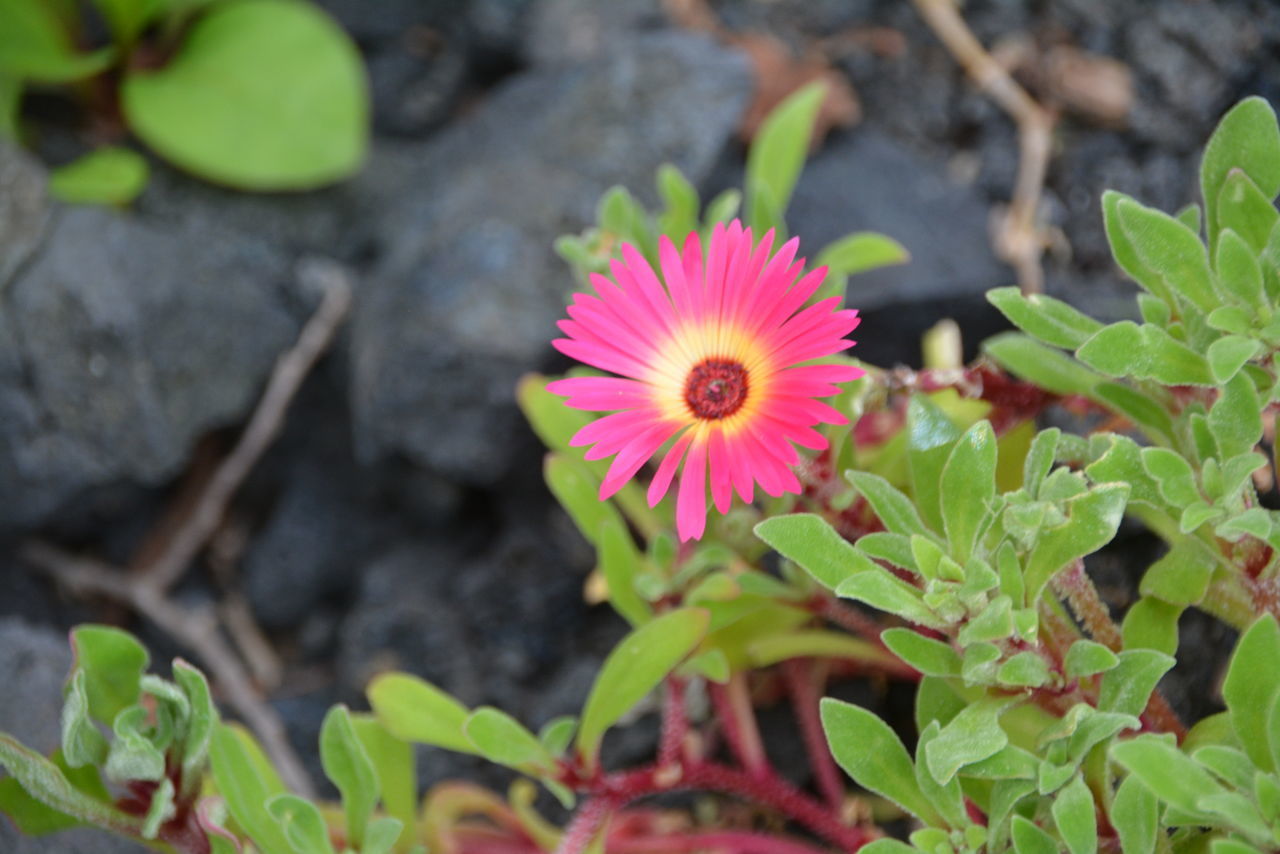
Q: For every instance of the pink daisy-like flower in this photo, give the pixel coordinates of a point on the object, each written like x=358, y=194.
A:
x=709, y=354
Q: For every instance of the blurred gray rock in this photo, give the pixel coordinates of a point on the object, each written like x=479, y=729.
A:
x=561, y=31
x=24, y=208
x=38, y=660
x=469, y=290
x=121, y=343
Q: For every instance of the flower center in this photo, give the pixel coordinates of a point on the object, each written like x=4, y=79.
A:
x=716, y=388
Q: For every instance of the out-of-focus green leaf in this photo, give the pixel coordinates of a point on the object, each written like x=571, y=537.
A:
x=680, y=200
x=349, y=768
x=302, y=824
x=1251, y=687
x=45, y=782
x=723, y=207
x=415, y=710
x=247, y=781
x=813, y=544
x=777, y=155
x=106, y=176
x=113, y=662
x=1048, y=368
x=1050, y=320
x=502, y=739
x=128, y=18
x=382, y=835
x=1246, y=138
x=635, y=667
x=392, y=760
x=931, y=435
x=133, y=756
x=264, y=95
x=34, y=45
x=577, y=490
x=1126, y=255
x=860, y=252
x=82, y=742
x=1143, y=410
x=199, y=729
x=872, y=754
x=620, y=562
x=816, y=643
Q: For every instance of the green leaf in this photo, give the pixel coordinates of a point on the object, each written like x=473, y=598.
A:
x=1025, y=669
x=82, y=742
x=886, y=592
x=1126, y=254
x=1073, y=813
x=1029, y=839
x=680, y=201
x=971, y=736
x=1152, y=624
x=128, y=18
x=815, y=643
x=1247, y=138
x=1142, y=409
x=1039, y=459
x=723, y=207
x=264, y=95
x=968, y=488
x=1134, y=815
x=1244, y=209
x=929, y=656
x=813, y=544
x=946, y=798
x=894, y=548
x=1122, y=463
x=873, y=756
x=105, y=176
x=557, y=734
x=302, y=824
x=35, y=818
x=1092, y=521
x=1086, y=657
x=577, y=490
x=1229, y=765
x=1168, y=772
x=502, y=739
x=1050, y=320
x=994, y=622
x=620, y=562
x=1170, y=249
x=1229, y=354
x=1252, y=685
x=1181, y=577
x=1238, y=271
x=413, y=709
x=393, y=762
x=635, y=667
x=1125, y=349
x=160, y=810
x=349, y=767
x=1189, y=216
x=382, y=835
x=113, y=662
x=1046, y=367
x=203, y=718
x=860, y=252
x=1173, y=474
x=887, y=845
x=1236, y=418
x=45, y=781
x=777, y=154
x=245, y=778
x=1127, y=686
x=35, y=45
x=133, y=756
x=893, y=508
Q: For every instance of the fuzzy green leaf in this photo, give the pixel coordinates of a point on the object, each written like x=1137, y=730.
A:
x=200, y=724
x=872, y=754
x=1140, y=408
x=1125, y=349
x=1171, y=250
x=1252, y=685
x=246, y=780
x=1168, y=772
x=1029, y=839
x=860, y=252
x=502, y=739
x=1073, y=813
x=1092, y=521
x=1127, y=686
x=970, y=736
x=1050, y=320
x=893, y=508
x=1181, y=577
x=45, y=781
x=1238, y=271
x=1247, y=138
x=813, y=544
x=968, y=487
x=349, y=768
x=1048, y=368
x=1126, y=254
x=113, y=663
x=1086, y=657
x=1152, y=623
x=1025, y=669
x=1244, y=209
x=620, y=562
x=1229, y=354
x=133, y=756
x=931, y=435
x=886, y=592
x=947, y=797
x=82, y=742
x=1135, y=816
x=1236, y=418
x=393, y=763
x=302, y=824
x=777, y=155
x=635, y=667
x=929, y=656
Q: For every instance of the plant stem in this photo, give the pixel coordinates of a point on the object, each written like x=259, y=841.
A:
x=675, y=723
x=732, y=703
x=800, y=676
x=586, y=823
x=848, y=618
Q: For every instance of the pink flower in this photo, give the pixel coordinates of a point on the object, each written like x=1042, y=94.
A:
x=709, y=354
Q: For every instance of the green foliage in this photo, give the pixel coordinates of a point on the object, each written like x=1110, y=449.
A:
x=107, y=176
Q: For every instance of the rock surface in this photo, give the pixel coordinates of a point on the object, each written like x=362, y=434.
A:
x=469, y=291
x=121, y=343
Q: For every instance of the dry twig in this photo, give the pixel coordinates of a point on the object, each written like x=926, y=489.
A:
x=1019, y=239
x=145, y=589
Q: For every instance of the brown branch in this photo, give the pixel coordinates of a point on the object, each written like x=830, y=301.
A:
x=290, y=370
x=196, y=629
x=1019, y=240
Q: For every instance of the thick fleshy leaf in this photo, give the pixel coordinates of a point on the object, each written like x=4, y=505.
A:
x=1151, y=623
x=1171, y=250
x=199, y=729
x=1048, y=368
x=578, y=492
x=349, y=768
x=502, y=739
x=1236, y=418
x=1181, y=577
x=264, y=95
x=113, y=662
x=392, y=760
x=1086, y=657
x=931, y=435
x=1030, y=839
x=1092, y=521
x=1173, y=776
x=635, y=667
x=245, y=778
x=1246, y=138
x=1229, y=354
x=1125, y=349
x=620, y=562
x=893, y=508
x=1073, y=813
x=929, y=656
x=970, y=736
x=45, y=781
x=947, y=798
x=1126, y=255
x=884, y=591
x=777, y=155
x=1127, y=686
x=817, y=547
x=1050, y=320
x=1246, y=210
x=1236, y=263
x=35, y=45
x=413, y=709
x=106, y=176
x=302, y=824
x=1252, y=685
x=968, y=487
x=860, y=252
x=871, y=753
x=1135, y=816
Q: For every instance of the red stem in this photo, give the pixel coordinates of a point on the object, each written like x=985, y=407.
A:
x=732, y=704
x=805, y=693
x=586, y=822
x=848, y=618
x=675, y=723
x=738, y=842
